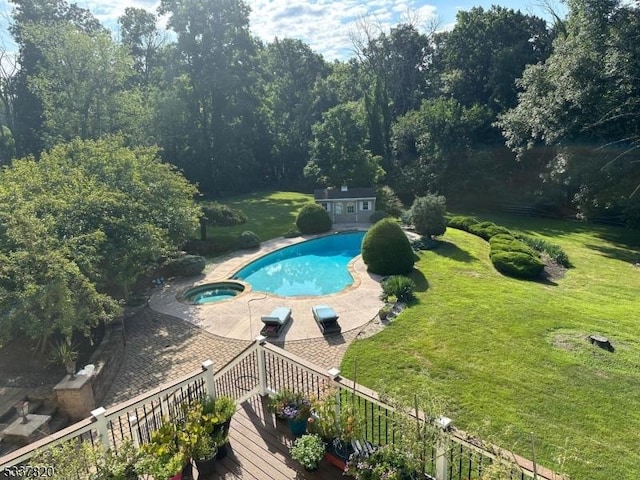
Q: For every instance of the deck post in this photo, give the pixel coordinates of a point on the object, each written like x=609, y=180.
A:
x=442, y=461
x=209, y=379
x=334, y=373
x=101, y=426
x=262, y=365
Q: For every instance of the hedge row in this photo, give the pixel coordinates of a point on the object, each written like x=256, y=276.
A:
x=220, y=215
x=509, y=255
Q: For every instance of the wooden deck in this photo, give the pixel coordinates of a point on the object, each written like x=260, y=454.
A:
x=259, y=449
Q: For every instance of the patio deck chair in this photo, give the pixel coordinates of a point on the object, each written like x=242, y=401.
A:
x=326, y=319
x=275, y=322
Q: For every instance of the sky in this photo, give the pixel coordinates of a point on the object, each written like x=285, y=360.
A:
x=326, y=25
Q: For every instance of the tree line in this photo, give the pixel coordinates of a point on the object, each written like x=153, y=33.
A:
x=502, y=108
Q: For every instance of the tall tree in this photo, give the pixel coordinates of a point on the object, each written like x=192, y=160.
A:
x=583, y=102
x=144, y=41
x=27, y=107
x=291, y=70
x=217, y=52
x=485, y=53
x=78, y=83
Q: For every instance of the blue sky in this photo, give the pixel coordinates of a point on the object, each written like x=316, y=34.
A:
x=324, y=24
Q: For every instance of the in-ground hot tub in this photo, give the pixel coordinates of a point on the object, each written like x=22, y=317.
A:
x=213, y=292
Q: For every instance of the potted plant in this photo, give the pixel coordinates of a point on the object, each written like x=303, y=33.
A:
x=66, y=354
x=295, y=408
x=204, y=454
x=385, y=463
x=162, y=457
x=223, y=408
x=308, y=450
x=120, y=464
x=337, y=427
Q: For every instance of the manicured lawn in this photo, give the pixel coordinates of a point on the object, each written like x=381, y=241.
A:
x=510, y=357
x=270, y=215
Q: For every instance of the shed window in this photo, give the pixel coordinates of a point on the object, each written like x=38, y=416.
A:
x=326, y=206
x=365, y=205
x=351, y=208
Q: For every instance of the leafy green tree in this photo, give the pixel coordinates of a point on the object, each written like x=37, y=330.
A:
x=216, y=82
x=79, y=82
x=485, y=53
x=27, y=106
x=432, y=147
x=582, y=103
x=144, y=41
x=338, y=153
x=428, y=215
x=79, y=226
x=291, y=70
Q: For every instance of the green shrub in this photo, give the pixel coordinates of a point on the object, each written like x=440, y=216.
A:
x=555, y=252
x=386, y=249
x=248, y=239
x=461, y=222
x=517, y=264
x=428, y=215
x=212, y=246
x=313, y=219
x=377, y=216
x=398, y=286
x=487, y=230
x=220, y=215
x=186, y=266
x=291, y=233
x=388, y=201
x=424, y=243
x=508, y=243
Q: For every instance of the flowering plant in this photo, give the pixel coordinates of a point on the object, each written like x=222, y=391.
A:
x=308, y=450
x=290, y=405
x=386, y=463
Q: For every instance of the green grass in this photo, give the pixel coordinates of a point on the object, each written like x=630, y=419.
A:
x=510, y=357
x=270, y=215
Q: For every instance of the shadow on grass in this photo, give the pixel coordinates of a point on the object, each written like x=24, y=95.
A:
x=452, y=251
x=422, y=284
x=616, y=253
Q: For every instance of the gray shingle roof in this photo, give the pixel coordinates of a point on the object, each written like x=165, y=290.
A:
x=336, y=193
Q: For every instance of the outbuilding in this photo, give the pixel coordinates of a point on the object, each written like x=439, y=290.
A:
x=347, y=205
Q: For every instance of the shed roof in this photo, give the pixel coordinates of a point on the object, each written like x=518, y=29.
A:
x=337, y=193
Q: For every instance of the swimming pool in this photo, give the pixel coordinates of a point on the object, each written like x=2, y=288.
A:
x=312, y=268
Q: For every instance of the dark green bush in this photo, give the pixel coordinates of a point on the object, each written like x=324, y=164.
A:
x=248, y=239
x=185, y=266
x=508, y=243
x=377, y=216
x=461, y=222
x=313, y=219
x=428, y=215
x=220, y=215
x=291, y=233
x=386, y=249
x=398, y=286
x=517, y=264
x=212, y=246
x=487, y=230
x=555, y=252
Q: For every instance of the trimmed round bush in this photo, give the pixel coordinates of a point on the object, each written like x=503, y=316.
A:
x=313, y=219
x=377, y=216
x=398, y=286
x=248, y=239
x=291, y=233
x=388, y=201
x=386, y=249
x=186, y=266
x=517, y=264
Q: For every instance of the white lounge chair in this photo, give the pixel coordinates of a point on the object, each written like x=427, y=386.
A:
x=275, y=322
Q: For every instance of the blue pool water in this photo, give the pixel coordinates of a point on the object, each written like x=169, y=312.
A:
x=314, y=267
